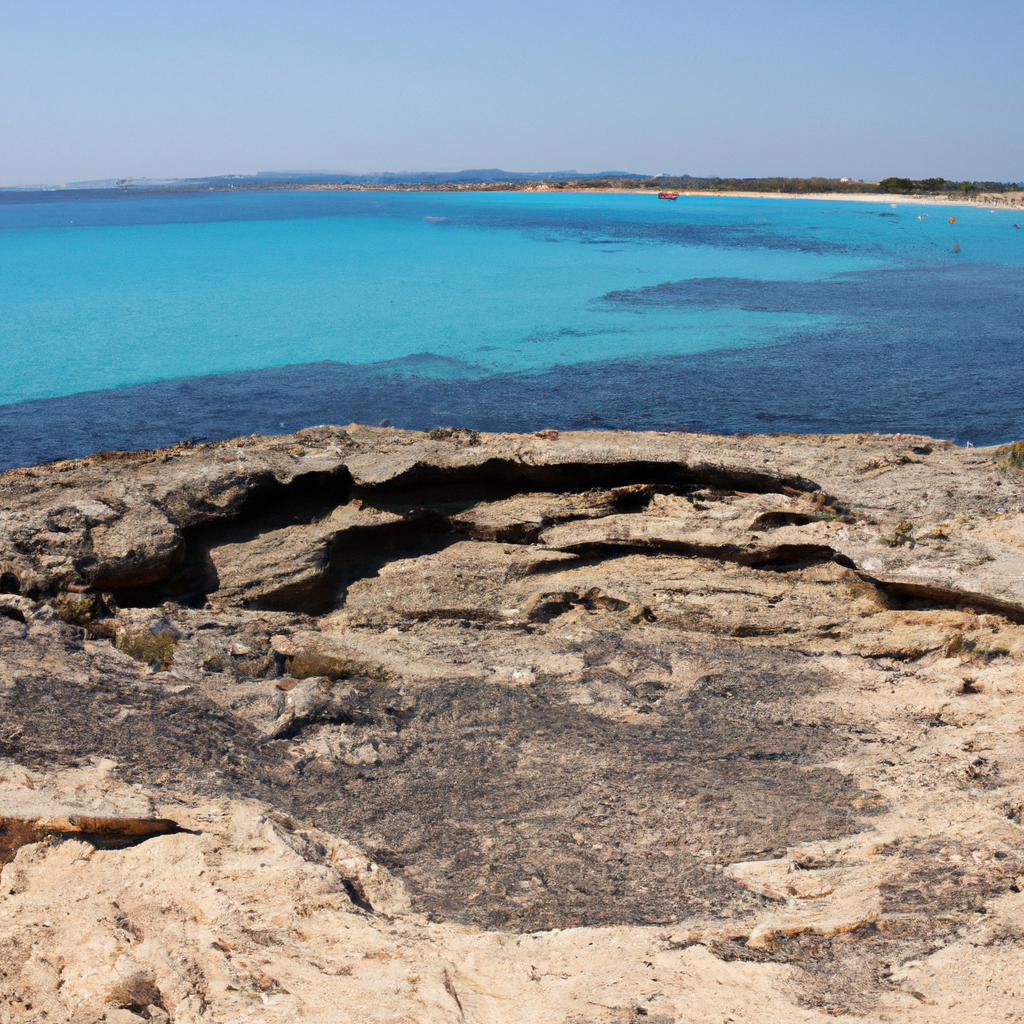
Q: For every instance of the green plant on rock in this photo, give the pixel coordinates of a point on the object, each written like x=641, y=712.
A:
x=76, y=609
x=212, y=661
x=460, y=434
x=95, y=613
x=956, y=644
x=1011, y=456
x=151, y=648
x=903, y=533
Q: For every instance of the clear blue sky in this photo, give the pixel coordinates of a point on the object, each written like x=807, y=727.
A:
x=182, y=88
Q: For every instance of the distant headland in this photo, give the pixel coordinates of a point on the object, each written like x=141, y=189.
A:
x=495, y=180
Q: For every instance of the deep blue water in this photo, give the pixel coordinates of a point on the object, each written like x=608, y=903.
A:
x=138, y=320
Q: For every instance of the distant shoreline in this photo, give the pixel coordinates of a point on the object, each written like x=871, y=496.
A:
x=1011, y=200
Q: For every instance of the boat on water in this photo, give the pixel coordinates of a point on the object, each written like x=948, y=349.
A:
x=668, y=195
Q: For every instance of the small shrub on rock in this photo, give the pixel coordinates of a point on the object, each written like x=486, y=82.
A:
x=1012, y=456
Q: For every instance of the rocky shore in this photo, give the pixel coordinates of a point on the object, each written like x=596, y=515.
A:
x=359, y=724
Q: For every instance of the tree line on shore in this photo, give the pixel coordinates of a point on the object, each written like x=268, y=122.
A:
x=940, y=186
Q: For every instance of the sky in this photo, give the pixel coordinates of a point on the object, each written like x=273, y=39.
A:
x=740, y=88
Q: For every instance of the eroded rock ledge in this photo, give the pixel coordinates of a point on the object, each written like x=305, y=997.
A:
x=360, y=724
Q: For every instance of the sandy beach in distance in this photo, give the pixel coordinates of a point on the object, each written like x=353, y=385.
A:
x=984, y=200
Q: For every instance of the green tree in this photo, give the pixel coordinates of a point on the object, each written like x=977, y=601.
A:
x=898, y=185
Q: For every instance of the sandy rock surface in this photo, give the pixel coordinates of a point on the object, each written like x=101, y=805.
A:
x=366, y=725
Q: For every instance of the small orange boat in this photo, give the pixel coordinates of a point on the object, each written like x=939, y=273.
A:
x=668, y=195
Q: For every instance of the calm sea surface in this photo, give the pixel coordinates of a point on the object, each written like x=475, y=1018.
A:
x=211, y=315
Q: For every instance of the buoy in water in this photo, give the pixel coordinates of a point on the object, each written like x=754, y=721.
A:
x=956, y=248
x=952, y=220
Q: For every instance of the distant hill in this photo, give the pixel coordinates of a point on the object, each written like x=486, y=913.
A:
x=485, y=176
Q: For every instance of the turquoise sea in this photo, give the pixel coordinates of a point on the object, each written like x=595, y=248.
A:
x=214, y=314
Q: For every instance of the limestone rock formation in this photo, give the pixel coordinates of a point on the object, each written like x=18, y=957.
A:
x=366, y=725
